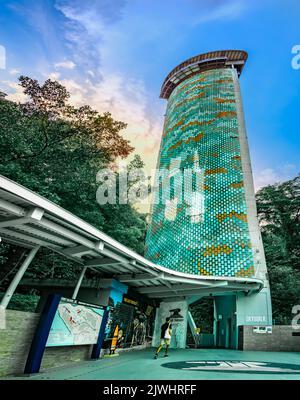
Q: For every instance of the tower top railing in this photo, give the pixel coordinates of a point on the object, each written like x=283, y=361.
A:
x=203, y=62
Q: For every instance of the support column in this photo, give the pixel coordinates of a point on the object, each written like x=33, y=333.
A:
x=254, y=309
x=111, y=292
x=16, y=280
x=76, y=290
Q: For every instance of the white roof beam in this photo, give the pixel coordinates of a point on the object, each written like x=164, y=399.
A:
x=14, y=222
x=12, y=208
x=34, y=214
x=247, y=286
x=158, y=289
x=135, y=277
x=185, y=280
x=97, y=262
x=27, y=238
x=196, y=291
x=40, y=234
x=77, y=251
x=75, y=237
x=127, y=261
x=20, y=243
x=98, y=246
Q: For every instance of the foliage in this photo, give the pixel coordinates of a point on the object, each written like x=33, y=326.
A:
x=56, y=150
x=23, y=302
x=279, y=216
x=203, y=314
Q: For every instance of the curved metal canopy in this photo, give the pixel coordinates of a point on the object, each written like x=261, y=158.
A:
x=29, y=220
x=203, y=62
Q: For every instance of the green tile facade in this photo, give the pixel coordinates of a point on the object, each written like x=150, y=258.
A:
x=207, y=232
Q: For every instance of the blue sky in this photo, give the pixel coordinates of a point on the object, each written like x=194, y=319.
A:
x=115, y=54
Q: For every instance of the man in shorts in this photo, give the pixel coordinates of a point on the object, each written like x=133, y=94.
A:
x=165, y=337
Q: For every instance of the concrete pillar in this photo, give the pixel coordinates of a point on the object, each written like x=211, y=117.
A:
x=254, y=230
x=255, y=308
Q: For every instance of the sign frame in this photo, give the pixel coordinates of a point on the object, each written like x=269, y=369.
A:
x=40, y=338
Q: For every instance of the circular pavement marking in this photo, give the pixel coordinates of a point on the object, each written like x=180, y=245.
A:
x=249, y=367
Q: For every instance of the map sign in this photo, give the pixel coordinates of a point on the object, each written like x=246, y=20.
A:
x=75, y=324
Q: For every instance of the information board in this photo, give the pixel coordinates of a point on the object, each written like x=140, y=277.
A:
x=75, y=324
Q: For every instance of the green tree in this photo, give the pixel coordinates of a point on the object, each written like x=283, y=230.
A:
x=56, y=150
x=279, y=216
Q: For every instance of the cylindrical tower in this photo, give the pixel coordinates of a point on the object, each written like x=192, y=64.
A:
x=212, y=230
x=203, y=217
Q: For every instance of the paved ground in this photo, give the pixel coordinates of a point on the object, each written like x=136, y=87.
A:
x=141, y=365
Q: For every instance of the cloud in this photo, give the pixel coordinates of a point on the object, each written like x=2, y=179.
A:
x=270, y=176
x=79, y=93
x=86, y=27
x=127, y=100
x=39, y=16
x=14, y=92
x=90, y=30
x=219, y=10
x=14, y=71
x=109, y=11
x=54, y=76
x=65, y=65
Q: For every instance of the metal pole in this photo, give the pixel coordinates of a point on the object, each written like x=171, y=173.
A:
x=19, y=275
x=76, y=290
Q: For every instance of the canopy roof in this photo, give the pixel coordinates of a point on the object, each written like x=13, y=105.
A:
x=29, y=220
x=203, y=62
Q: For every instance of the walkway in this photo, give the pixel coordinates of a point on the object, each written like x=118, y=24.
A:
x=137, y=365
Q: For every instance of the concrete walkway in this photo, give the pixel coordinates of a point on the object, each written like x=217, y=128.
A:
x=181, y=364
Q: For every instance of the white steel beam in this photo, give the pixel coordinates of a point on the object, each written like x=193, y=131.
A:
x=247, y=286
x=34, y=214
x=185, y=280
x=40, y=234
x=16, y=280
x=159, y=289
x=14, y=222
x=76, y=290
x=136, y=277
x=195, y=291
x=77, y=251
x=67, y=233
x=101, y=261
x=12, y=208
x=20, y=243
x=27, y=238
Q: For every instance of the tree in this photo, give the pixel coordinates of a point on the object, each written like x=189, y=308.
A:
x=279, y=216
x=56, y=149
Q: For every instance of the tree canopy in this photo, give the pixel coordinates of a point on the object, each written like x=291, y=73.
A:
x=279, y=216
x=56, y=150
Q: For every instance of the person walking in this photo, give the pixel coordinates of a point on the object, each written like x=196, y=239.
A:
x=165, y=338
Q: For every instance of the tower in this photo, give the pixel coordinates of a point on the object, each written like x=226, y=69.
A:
x=212, y=229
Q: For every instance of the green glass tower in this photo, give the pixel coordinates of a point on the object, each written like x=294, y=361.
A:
x=211, y=230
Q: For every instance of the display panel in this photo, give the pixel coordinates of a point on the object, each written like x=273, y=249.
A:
x=75, y=323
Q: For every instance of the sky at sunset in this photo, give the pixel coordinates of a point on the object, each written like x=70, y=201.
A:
x=115, y=54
